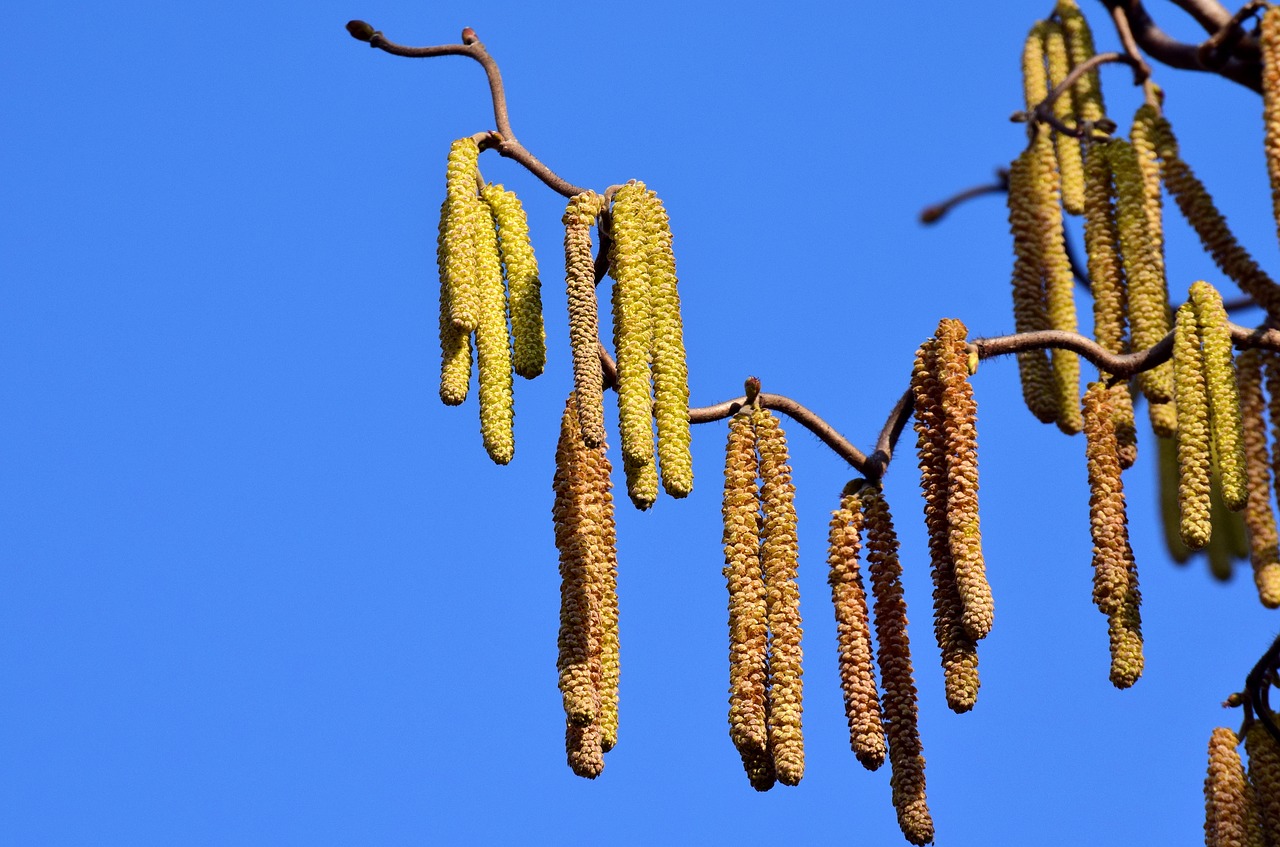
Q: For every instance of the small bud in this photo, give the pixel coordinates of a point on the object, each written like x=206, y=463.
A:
x=361, y=31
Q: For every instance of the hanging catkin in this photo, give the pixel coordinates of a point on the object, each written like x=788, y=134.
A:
x=748, y=612
x=853, y=631
x=1231, y=813
x=1193, y=431
x=459, y=220
x=455, y=344
x=1030, y=313
x=629, y=265
x=1224, y=398
x=1086, y=94
x=1260, y=521
x=670, y=369
x=1216, y=236
x=893, y=653
x=524, y=289
x=493, y=342
x=1269, y=41
x=959, y=651
x=1066, y=147
x=1264, y=776
x=1143, y=135
x=778, y=558
x=584, y=332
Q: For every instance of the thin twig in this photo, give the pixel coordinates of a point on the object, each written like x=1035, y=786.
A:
x=1130, y=17
x=934, y=213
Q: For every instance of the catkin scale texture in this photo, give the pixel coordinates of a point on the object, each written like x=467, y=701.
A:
x=1264, y=775
x=1193, y=431
x=524, y=289
x=584, y=331
x=1269, y=41
x=460, y=219
x=1231, y=814
x=629, y=252
x=1070, y=166
x=1086, y=94
x=493, y=343
x=1106, y=271
x=455, y=344
x=1224, y=398
x=1260, y=522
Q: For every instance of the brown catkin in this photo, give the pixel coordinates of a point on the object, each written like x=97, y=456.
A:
x=1271, y=377
x=670, y=369
x=748, y=612
x=524, y=289
x=853, y=632
x=779, y=558
x=584, y=332
x=585, y=749
x=1269, y=41
x=958, y=651
x=1231, y=813
x=1224, y=398
x=1194, y=461
x=597, y=475
x=1264, y=775
x=1126, y=426
x=1148, y=296
x=901, y=714
x=1030, y=314
x=1215, y=234
x=1070, y=166
x=1260, y=521
x=493, y=341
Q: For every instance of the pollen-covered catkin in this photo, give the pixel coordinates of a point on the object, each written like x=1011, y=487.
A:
x=748, y=611
x=1264, y=775
x=779, y=558
x=1198, y=208
x=458, y=265
x=596, y=472
x=493, y=342
x=1030, y=314
x=1195, y=524
x=455, y=344
x=1148, y=294
x=1224, y=398
x=958, y=651
x=524, y=289
x=853, y=630
x=1231, y=813
x=1087, y=92
x=899, y=707
x=629, y=265
x=1269, y=41
x=1035, y=76
x=1067, y=148
x=584, y=331
x=1106, y=272
x=1260, y=521
x=670, y=369
x=1143, y=136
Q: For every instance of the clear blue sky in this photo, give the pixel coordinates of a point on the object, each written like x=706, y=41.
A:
x=257, y=586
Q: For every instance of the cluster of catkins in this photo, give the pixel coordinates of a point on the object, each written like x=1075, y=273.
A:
x=484, y=241
x=1242, y=809
x=1195, y=400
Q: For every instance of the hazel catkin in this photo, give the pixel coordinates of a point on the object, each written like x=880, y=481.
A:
x=1269, y=42
x=493, y=343
x=524, y=289
x=1030, y=314
x=458, y=242
x=1231, y=814
x=670, y=369
x=1195, y=524
x=629, y=265
x=455, y=344
x=1260, y=522
x=584, y=333
x=1224, y=398
x=1264, y=777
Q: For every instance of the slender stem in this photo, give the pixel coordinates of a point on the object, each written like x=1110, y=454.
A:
x=934, y=213
x=1130, y=16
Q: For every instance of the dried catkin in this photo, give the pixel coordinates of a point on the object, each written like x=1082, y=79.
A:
x=779, y=558
x=958, y=651
x=597, y=475
x=1216, y=236
x=1030, y=314
x=629, y=265
x=458, y=275
x=455, y=344
x=1260, y=521
x=524, y=289
x=906, y=755
x=853, y=631
x=1224, y=398
x=493, y=342
x=670, y=369
x=1087, y=91
x=585, y=749
x=1067, y=148
x=1264, y=775
x=1269, y=41
x=1271, y=376
x=748, y=611
x=1231, y=813
x=584, y=332
x=1148, y=301
x=1194, y=460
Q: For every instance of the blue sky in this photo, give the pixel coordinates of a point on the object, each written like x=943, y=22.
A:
x=259, y=587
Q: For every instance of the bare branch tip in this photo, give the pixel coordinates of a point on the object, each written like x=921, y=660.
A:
x=469, y=36
x=361, y=31
x=752, y=386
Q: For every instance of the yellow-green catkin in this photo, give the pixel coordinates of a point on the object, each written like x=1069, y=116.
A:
x=629, y=265
x=1269, y=41
x=1231, y=812
x=1271, y=378
x=1264, y=775
x=1067, y=148
x=1170, y=510
x=1086, y=94
x=1115, y=574
x=493, y=342
x=958, y=650
x=458, y=265
x=1143, y=136
x=1224, y=398
x=1035, y=75
x=893, y=653
x=670, y=369
x=1148, y=296
x=779, y=559
x=584, y=331
x=1198, y=208
x=748, y=610
x=853, y=631
x=455, y=344
x=524, y=288
x=1030, y=314
x=1260, y=521
x=1195, y=525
